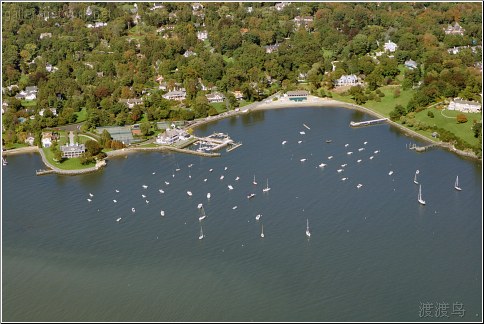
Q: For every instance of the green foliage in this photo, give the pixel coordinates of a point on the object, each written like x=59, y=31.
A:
x=461, y=118
x=430, y=114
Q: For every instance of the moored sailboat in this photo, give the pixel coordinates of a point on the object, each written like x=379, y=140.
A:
x=420, y=200
x=456, y=185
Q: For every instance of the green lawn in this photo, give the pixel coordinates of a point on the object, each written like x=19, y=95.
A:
x=68, y=164
x=15, y=145
x=388, y=103
x=220, y=106
x=463, y=131
x=28, y=103
x=81, y=115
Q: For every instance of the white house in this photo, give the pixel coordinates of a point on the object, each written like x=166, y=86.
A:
x=238, y=95
x=411, y=64
x=456, y=29
x=197, y=6
x=131, y=102
x=46, y=139
x=347, y=80
x=45, y=35
x=271, y=48
x=390, y=46
x=175, y=95
x=157, y=5
x=464, y=106
x=215, y=97
x=281, y=5
x=30, y=140
x=189, y=53
x=302, y=21
x=171, y=136
x=72, y=150
x=202, y=35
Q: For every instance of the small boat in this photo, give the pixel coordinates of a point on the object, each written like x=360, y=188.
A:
x=117, y=190
x=390, y=173
x=143, y=196
x=4, y=161
x=306, y=126
x=339, y=170
x=237, y=179
x=361, y=149
x=302, y=133
x=202, y=216
x=308, y=233
x=161, y=190
x=330, y=157
x=262, y=231
x=346, y=145
x=162, y=212
x=230, y=187
x=376, y=152
x=208, y=195
x=329, y=141
x=89, y=200
x=371, y=157
x=349, y=153
x=117, y=220
x=177, y=169
x=221, y=177
x=252, y=195
x=225, y=168
x=415, y=177
x=190, y=165
x=284, y=142
x=201, y=233
x=210, y=170
x=322, y=165
x=359, y=161
x=91, y=195
x=257, y=217
x=189, y=193
x=456, y=185
x=167, y=183
x=303, y=160
x=144, y=186
x=115, y=201
x=365, y=143
x=133, y=210
x=147, y=201
x=343, y=165
x=343, y=179
x=235, y=207
x=299, y=142
x=254, y=182
x=205, y=180
x=154, y=173
x=266, y=189
x=200, y=205
x=419, y=198
x=359, y=185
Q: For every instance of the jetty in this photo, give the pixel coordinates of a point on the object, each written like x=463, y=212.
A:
x=422, y=148
x=215, y=142
x=44, y=172
x=368, y=122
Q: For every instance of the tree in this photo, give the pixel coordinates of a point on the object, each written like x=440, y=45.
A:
x=145, y=128
x=92, y=147
x=461, y=118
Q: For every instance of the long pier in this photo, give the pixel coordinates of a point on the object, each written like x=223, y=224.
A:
x=422, y=148
x=368, y=122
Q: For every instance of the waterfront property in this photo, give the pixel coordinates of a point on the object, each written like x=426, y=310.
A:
x=411, y=64
x=47, y=138
x=215, y=97
x=175, y=95
x=298, y=95
x=464, y=106
x=72, y=150
x=172, y=136
x=390, y=46
x=347, y=80
x=131, y=102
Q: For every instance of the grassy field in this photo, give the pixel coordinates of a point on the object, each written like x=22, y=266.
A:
x=68, y=164
x=15, y=145
x=388, y=102
x=28, y=103
x=220, y=106
x=446, y=119
x=81, y=115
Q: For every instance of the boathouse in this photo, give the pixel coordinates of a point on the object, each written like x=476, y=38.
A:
x=298, y=95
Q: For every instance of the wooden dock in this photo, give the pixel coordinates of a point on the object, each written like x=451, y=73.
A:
x=422, y=148
x=44, y=172
x=368, y=122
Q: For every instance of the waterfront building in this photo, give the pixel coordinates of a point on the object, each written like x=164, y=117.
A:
x=72, y=150
x=464, y=106
x=215, y=97
x=298, y=95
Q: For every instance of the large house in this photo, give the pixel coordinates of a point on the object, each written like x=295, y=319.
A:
x=175, y=95
x=215, y=97
x=202, y=35
x=131, y=102
x=53, y=110
x=30, y=93
x=171, y=136
x=189, y=53
x=72, y=150
x=390, y=46
x=411, y=64
x=464, y=106
x=47, y=138
x=303, y=21
x=456, y=29
x=347, y=80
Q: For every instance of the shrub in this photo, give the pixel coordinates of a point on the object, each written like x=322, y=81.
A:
x=461, y=118
x=430, y=114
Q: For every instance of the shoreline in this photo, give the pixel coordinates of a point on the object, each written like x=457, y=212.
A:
x=281, y=103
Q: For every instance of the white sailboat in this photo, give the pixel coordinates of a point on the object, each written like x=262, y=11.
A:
x=209, y=195
x=162, y=212
x=262, y=231
x=308, y=233
x=257, y=217
x=456, y=185
x=201, y=233
x=415, y=177
x=266, y=189
x=420, y=200
x=189, y=193
x=254, y=182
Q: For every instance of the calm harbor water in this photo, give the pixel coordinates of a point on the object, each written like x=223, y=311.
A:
x=374, y=254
